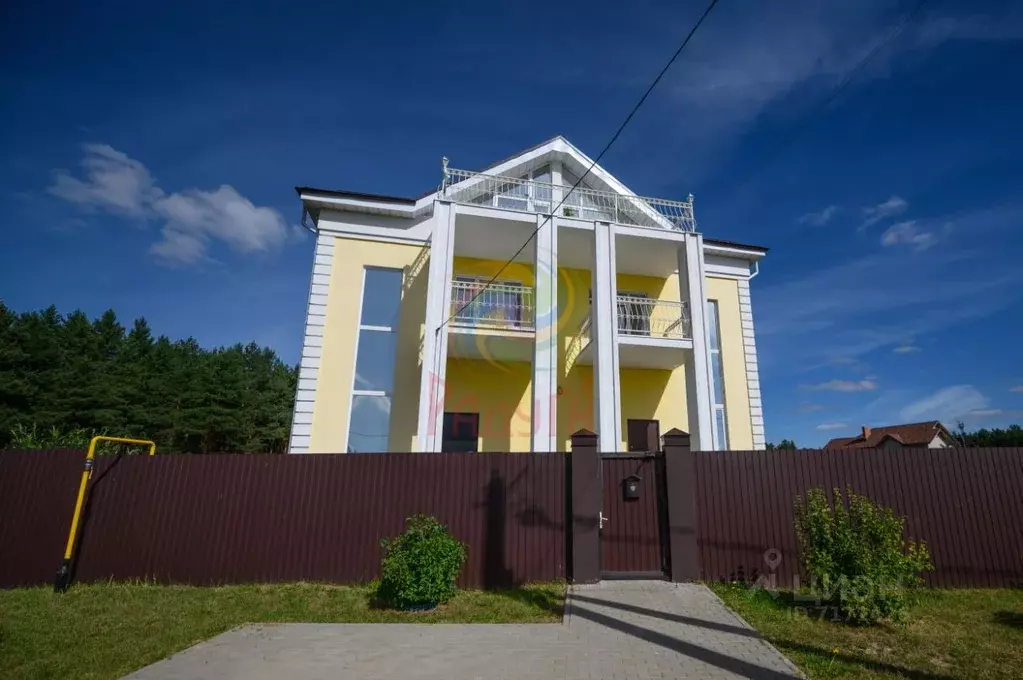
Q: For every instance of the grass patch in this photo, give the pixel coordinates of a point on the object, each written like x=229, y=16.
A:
x=949, y=634
x=108, y=630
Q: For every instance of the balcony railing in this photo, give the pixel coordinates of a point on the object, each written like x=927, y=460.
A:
x=645, y=317
x=498, y=306
x=511, y=193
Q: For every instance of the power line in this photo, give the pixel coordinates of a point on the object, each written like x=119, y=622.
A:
x=614, y=138
x=794, y=136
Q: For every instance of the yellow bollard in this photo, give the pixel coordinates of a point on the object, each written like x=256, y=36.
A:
x=63, y=580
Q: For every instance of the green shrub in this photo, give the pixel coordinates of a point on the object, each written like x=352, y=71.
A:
x=420, y=566
x=856, y=557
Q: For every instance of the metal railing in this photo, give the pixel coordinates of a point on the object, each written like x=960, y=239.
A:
x=501, y=305
x=579, y=342
x=511, y=193
x=646, y=317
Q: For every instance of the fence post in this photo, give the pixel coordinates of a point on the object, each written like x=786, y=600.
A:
x=681, y=483
x=585, y=508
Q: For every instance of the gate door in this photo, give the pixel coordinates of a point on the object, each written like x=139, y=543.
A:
x=633, y=519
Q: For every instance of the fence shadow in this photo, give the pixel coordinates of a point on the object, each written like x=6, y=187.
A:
x=1009, y=618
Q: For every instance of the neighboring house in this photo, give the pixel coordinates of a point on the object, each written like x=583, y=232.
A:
x=618, y=317
x=932, y=435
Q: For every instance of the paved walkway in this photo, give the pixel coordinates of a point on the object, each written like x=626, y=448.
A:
x=618, y=630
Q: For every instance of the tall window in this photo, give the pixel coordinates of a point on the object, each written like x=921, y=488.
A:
x=370, y=418
x=720, y=421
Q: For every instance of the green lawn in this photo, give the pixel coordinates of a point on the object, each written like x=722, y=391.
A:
x=107, y=630
x=949, y=634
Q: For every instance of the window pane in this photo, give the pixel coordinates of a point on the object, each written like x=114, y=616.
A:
x=381, y=297
x=722, y=430
x=370, y=422
x=712, y=324
x=719, y=378
x=374, y=367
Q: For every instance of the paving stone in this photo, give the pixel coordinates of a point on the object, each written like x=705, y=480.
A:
x=614, y=630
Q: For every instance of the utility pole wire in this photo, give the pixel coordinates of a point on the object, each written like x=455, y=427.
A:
x=614, y=138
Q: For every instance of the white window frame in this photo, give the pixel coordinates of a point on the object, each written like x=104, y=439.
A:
x=355, y=391
x=716, y=378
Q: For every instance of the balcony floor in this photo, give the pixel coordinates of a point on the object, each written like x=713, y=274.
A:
x=492, y=344
x=641, y=352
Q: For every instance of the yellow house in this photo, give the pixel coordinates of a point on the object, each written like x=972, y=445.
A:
x=516, y=305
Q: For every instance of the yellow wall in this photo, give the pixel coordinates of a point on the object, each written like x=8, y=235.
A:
x=733, y=362
x=500, y=392
x=471, y=266
x=334, y=379
x=653, y=394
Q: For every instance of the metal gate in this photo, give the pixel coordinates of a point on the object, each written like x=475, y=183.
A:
x=633, y=516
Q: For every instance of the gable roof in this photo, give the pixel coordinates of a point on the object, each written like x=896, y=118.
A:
x=910, y=434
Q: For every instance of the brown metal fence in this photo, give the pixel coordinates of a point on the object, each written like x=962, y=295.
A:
x=967, y=504
x=250, y=518
x=263, y=518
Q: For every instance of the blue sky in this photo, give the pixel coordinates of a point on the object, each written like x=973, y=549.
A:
x=148, y=158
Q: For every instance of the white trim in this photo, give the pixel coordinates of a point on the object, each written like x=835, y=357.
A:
x=749, y=254
x=645, y=341
x=309, y=363
x=363, y=236
x=370, y=393
x=371, y=327
x=752, y=365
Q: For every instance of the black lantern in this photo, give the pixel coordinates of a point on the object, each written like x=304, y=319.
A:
x=630, y=488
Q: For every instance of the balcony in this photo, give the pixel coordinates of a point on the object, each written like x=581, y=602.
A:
x=526, y=195
x=499, y=306
x=495, y=322
x=651, y=334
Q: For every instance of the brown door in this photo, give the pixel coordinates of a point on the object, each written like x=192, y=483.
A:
x=631, y=536
x=643, y=435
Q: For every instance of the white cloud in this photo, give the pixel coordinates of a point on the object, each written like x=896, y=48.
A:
x=191, y=220
x=906, y=349
x=832, y=426
x=1016, y=388
x=907, y=233
x=113, y=181
x=865, y=385
x=819, y=219
x=947, y=403
x=811, y=408
x=895, y=205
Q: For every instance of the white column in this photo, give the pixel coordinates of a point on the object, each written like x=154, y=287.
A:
x=607, y=408
x=699, y=381
x=435, y=333
x=545, y=347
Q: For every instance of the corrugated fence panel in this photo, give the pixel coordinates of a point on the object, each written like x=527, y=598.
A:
x=37, y=497
x=966, y=504
x=249, y=518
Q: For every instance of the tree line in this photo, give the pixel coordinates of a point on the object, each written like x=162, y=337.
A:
x=64, y=378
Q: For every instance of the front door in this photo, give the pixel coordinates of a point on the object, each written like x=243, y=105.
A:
x=633, y=520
